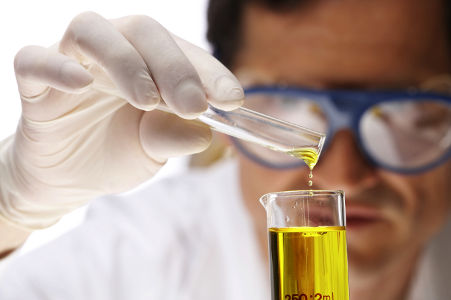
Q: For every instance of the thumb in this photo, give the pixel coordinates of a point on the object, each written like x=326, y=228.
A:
x=164, y=135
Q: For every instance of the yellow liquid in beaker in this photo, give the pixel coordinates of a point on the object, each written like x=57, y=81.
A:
x=309, y=263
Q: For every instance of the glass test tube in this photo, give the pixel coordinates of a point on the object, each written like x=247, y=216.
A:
x=263, y=130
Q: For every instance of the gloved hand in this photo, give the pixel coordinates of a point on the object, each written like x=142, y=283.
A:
x=89, y=125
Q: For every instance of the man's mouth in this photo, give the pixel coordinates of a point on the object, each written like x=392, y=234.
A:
x=360, y=217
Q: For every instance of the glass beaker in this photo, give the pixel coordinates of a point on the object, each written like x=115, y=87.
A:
x=307, y=245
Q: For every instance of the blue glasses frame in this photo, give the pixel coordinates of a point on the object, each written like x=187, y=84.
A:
x=344, y=110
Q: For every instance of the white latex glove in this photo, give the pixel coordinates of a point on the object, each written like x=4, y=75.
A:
x=88, y=124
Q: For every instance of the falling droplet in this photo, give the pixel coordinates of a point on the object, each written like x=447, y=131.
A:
x=310, y=175
x=287, y=219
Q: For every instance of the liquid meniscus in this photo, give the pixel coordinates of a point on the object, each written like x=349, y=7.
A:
x=309, y=263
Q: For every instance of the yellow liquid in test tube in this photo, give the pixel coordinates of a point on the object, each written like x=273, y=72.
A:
x=309, y=263
x=309, y=156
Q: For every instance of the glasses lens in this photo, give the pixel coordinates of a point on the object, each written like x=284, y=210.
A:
x=407, y=134
x=291, y=108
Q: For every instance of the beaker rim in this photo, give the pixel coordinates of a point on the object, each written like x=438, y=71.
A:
x=299, y=193
x=305, y=193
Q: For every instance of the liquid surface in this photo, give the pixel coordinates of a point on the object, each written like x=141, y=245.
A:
x=309, y=263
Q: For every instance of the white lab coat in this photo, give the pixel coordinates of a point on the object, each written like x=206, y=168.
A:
x=188, y=237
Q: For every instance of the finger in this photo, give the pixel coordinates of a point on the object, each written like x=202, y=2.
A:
x=223, y=89
x=91, y=36
x=176, y=78
x=39, y=68
x=165, y=135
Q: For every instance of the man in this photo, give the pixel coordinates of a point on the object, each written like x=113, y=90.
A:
x=203, y=235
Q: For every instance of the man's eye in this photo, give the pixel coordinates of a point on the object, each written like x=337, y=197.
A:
x=432, y=114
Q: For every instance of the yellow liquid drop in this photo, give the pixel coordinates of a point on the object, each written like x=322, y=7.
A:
x=310, y=175
x=309, y=263
x=309, y=156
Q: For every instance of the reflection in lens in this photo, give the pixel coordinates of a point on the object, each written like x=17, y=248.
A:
x=407, y=134
x=290, y=108
x=301, y=111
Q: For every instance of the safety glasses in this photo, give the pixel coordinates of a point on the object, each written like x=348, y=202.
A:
x=404, y=132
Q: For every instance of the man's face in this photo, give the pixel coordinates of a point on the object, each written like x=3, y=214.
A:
x=354, y=44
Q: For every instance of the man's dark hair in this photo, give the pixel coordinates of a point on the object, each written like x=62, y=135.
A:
x=224, y=24
x=225, y=18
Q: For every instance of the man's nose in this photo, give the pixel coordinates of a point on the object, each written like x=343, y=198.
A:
x=343, y=166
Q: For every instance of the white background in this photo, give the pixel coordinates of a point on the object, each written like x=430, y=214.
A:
x=43, y=23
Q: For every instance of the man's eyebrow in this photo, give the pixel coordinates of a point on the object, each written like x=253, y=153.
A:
x=367, y=85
